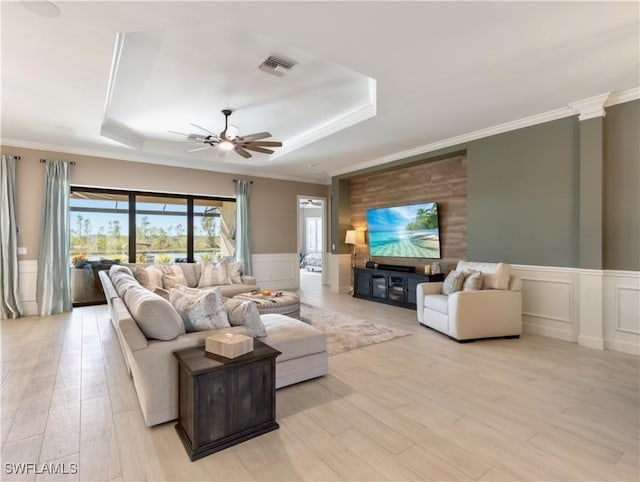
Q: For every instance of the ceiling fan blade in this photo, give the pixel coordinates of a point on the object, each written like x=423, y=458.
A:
x=257, y=149
x=262, y=143
x=206, y=130
x=254, y=137
x=242, y=152
x=179, y=133
x=200, y=148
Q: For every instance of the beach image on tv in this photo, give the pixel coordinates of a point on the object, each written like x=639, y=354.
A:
x=404, y=231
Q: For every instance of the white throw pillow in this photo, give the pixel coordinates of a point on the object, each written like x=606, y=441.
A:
x=200, y=309
x=122, y=282
x=118, y=267
x=214, y=275
x=245, y=313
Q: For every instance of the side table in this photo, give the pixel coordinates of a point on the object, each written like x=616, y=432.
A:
x=224, y=401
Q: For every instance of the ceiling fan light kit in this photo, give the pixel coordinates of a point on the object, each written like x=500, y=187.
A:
x=230, y=140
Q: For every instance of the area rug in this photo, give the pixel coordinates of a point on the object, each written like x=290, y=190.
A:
x=345, y=332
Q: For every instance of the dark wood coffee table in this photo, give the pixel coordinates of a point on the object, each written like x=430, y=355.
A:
x=224, y=401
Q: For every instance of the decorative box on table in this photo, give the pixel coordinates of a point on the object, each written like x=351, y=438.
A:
x=228, y=345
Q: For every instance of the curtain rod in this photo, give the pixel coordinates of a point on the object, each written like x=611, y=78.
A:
x=236, y=180
x=73, y=163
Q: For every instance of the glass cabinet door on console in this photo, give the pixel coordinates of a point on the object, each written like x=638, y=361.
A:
x=379, y=285
x=396, y=287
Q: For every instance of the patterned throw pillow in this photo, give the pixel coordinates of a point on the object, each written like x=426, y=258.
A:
x=245, y=313
x=172, y=276
x=200, y=310
x=149, y=277
x=235, y=272
x=214, y=275
x=472, y=281
x=453, y=282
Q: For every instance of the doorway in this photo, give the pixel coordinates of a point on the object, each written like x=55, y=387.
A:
x=311, y=241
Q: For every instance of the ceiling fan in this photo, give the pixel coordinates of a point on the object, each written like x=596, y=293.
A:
x=229, y=140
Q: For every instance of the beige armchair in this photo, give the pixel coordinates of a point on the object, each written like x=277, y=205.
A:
x=495, y=311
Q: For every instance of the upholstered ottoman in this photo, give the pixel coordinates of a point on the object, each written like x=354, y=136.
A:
x=303, y=347
x=286, y=303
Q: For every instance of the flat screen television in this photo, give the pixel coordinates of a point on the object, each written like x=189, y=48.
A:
x=409, y=231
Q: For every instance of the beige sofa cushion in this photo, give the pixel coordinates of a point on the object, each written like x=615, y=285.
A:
x=495, y=276
x=155, y=316
x=149, y=277
x=172, y=276
x=119, y=267
x=189, y=272
x=235, y=272
x=200, y=309
x=438, y=303
x=122, y=282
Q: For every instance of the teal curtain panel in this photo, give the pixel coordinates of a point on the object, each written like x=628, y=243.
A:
x=54, y=275
x=243, y=239
x=9, y=298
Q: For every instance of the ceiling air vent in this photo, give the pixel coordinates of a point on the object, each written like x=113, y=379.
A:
x=277, y=66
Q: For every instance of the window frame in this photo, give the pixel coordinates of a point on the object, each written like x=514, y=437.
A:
x=132, y=194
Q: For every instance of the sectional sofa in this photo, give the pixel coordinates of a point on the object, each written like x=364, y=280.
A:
x=153, y=368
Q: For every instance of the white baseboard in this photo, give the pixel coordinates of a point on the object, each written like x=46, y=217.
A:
x=548, y=331
x=591, y=342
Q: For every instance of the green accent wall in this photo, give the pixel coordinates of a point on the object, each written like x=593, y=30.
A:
x=622, y=187
x=525, y=200
x=521, y=205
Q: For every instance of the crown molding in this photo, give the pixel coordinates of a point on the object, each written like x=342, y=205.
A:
x=156, y=159
x=623, y=96
x=358, y=113
x=591, y=107
x=568, y=111
x=461, y=139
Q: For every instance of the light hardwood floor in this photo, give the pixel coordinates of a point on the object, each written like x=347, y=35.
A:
x=420, y=407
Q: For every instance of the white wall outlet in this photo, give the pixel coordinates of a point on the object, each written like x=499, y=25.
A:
x=22, y=250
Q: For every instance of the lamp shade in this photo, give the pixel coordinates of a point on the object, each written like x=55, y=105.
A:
x=350, y=238
x=354, y=237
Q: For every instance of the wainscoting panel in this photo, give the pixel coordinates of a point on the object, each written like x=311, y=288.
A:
x=339, y=272
x=277, y=271
x=28, y=275
x=549, y=305
x=622, y=311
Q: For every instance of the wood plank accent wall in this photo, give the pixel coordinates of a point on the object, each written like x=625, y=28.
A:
x=443, y=181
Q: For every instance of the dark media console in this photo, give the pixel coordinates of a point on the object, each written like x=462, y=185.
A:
x=394, y=285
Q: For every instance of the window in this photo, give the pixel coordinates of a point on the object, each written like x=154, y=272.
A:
x=314, y=234
x=99, y=226
x=161, y=229
x=149, y=227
